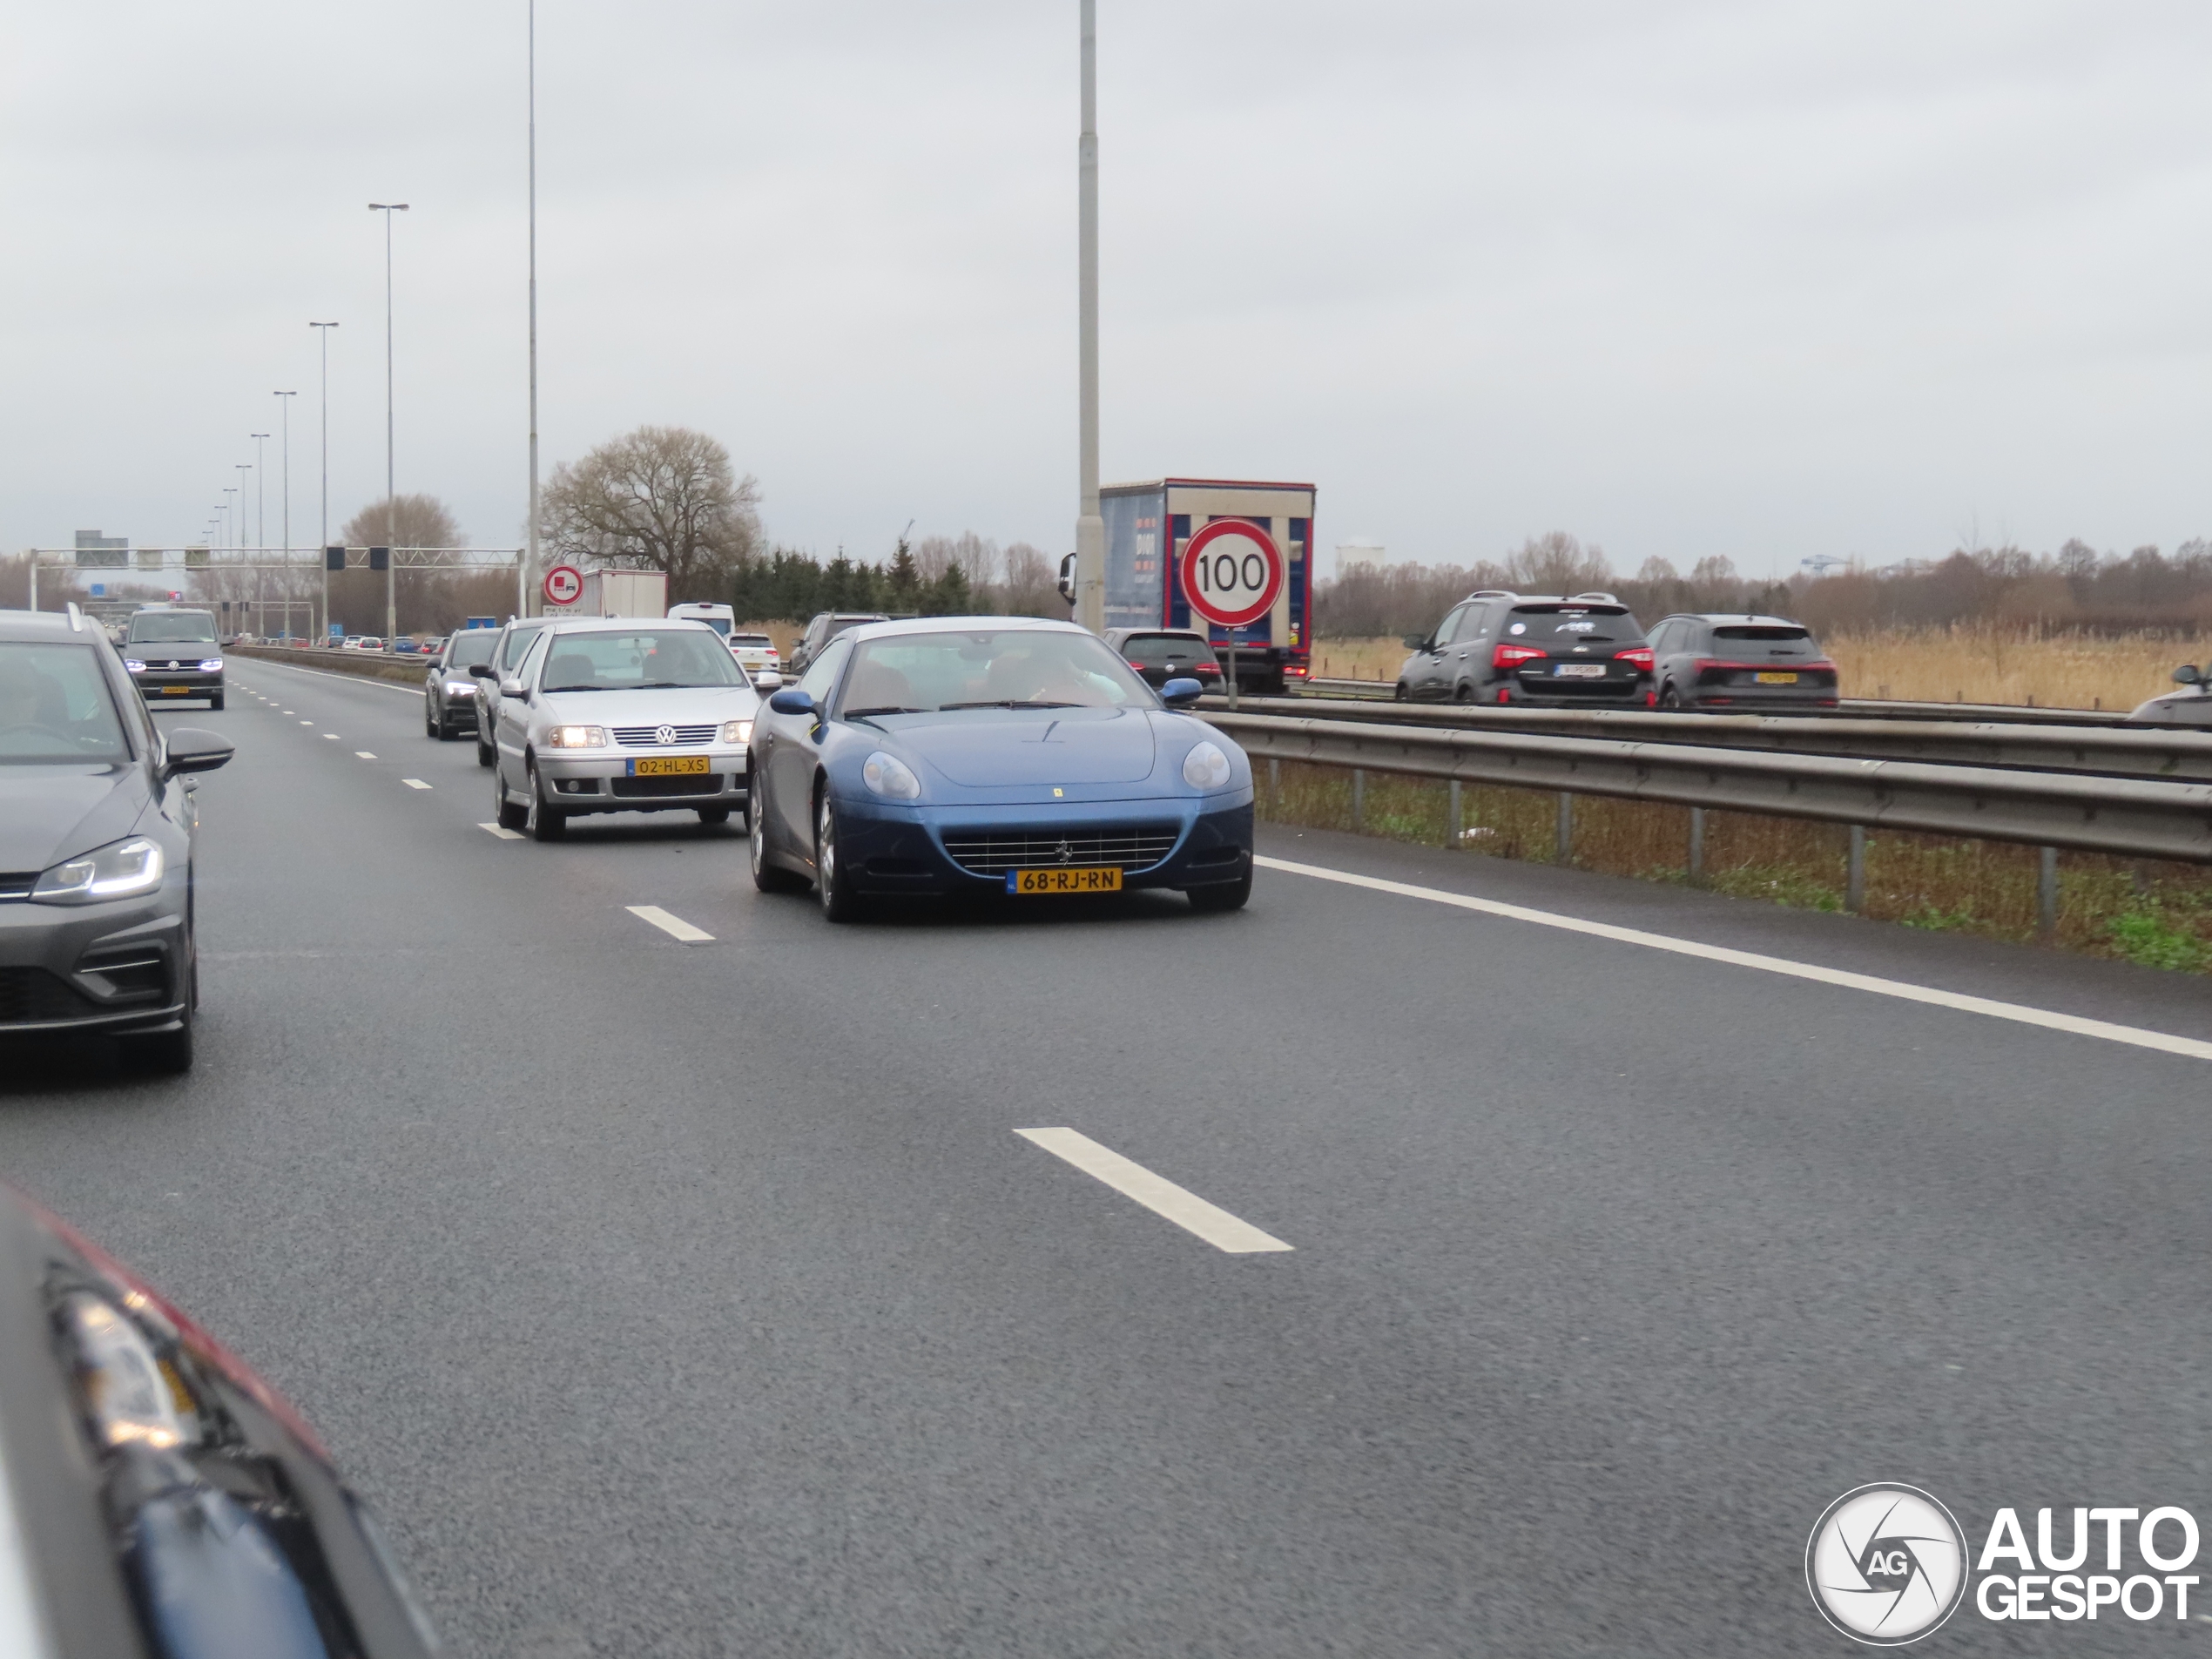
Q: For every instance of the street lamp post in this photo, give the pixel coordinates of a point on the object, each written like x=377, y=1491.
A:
x=238, y=536
x=323, y=333
x=391, y=501
x=261, y=529
x=529, y=560
x=1090, y=529
x=284, y=404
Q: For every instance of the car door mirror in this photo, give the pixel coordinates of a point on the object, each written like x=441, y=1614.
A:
x=1181, y=692
x=481, y=671
x=189, y=749
x=1416, y=642
x=766, y=680
x=511, y=688
x=792, y=702
x=2187, y=674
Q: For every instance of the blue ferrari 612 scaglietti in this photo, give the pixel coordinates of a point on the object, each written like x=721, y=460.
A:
x=950, y=754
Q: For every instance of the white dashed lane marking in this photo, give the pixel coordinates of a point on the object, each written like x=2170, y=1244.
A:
x=414, y=783
x=2136, y=1036
x=675, y=926
x=332, y=736
x=363, y=754
x=503, y=834
x=1157, y=1193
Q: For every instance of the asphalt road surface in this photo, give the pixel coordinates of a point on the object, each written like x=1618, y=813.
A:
x=703, y=1299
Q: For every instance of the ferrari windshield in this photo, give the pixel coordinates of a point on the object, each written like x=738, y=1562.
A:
x=638, y=659
x=989, y=668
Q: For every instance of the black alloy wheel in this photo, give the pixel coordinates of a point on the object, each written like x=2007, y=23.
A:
x=504, y=812
x=1464, y=693
x=169, y=1054
x=215, y=702
x=768, y=875
x=1228, y=895
x=485, y=753
x=714, y=814
x=540, y=821
x=833, y=885
x=432, y=726
x=1670, y=698
x=1399, y=694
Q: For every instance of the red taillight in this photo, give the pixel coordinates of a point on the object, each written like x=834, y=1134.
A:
x=1640, y=656
x=1512, y=656
x=1296, y=671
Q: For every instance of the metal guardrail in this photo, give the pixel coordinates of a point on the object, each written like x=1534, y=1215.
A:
x=2129, y=817
x=1871, y=708
x=2171, y=752
x=364, y=665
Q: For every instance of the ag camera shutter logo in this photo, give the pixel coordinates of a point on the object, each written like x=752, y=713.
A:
x=1886, y=1564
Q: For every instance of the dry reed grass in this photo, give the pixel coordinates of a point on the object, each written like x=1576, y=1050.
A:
x=1977, y=663
x=2156, y=914
x=1989, y=663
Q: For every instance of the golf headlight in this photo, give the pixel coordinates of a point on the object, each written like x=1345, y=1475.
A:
x=120, y=870
x=134, y=666
x=211, y=664
x=737, y=731
x=888, y=776
x=1206, y=767
x=577, y=737
x=461, y=688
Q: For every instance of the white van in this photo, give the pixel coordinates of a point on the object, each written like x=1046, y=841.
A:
x=721, y=618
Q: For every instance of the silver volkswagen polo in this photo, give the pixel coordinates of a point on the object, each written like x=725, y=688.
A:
x=622, y=715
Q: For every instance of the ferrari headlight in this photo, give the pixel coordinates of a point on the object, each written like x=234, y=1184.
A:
x=577, y=737
x=131, y=1396
x=890, y=776
x=120, y=870
x=737, y=731
x=1206, y=767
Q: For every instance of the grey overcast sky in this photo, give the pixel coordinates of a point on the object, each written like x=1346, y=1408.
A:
x=1763, y=279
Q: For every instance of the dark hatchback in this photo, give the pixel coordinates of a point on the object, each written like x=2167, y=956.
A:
x=1159, y=655
x=1741, y=664
x=1583, y=651
x=96, y=826
x=161, y=1501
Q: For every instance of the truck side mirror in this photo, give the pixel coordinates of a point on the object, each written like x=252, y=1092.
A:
x=1067, y=582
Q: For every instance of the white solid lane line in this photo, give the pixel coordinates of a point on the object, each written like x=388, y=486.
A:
x=503, y=834
x=363, y=754
x=675, y=926
x=414, y=783
x=2136, y=1036
x=1162, y=1196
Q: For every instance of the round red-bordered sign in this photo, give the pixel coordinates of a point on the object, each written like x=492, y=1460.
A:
x=564, y=585
x=1231, y=572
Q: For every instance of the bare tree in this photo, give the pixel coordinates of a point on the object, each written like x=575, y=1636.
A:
x=1030, y=588
x=660, y=498
x=1556, y=563
x=413, y=520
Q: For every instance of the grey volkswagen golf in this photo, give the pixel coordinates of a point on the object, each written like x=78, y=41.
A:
x=96, y=845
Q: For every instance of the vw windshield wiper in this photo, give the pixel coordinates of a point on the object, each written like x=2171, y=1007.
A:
x=862, y=714
x=1013, y=703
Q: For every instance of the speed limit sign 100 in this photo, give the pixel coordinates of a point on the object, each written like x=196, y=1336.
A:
x=1231, y=572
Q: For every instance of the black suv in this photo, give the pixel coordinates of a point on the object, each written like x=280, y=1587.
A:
x=1582, y=651
x=1744, y=665
x=172, y=654
x=825, y=626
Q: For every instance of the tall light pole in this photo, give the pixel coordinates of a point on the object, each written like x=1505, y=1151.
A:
x=529, y=557
x=261, y=529
x=1090, y=529
x=391, y=504
x=284, y=403
x=323, y=333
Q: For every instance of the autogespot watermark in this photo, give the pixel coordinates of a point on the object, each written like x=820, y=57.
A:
x=1887, y=1564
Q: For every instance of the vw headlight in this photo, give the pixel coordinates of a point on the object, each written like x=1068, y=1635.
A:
x=120, y=870
x=134, y=666
x=461, y=688
x=889, y=776
x=1206, y=767
x=211, y=666
x=737, y=731
x=577, y=737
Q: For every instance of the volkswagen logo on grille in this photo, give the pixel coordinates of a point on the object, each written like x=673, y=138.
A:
x=1065, y=852
x=664, y=734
